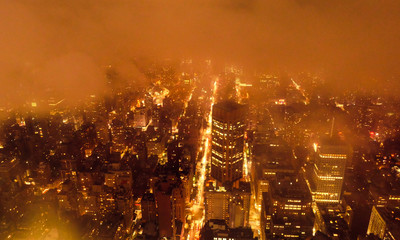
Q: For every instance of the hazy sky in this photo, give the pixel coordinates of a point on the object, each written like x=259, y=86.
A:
x=65, y=44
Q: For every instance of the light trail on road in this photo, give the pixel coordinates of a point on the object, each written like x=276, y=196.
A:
x=298, y=87
x=207, y=146
x=183, y=114
x=201, y=169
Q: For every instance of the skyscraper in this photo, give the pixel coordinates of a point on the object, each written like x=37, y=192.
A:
x=227, y=142
x=328, y=170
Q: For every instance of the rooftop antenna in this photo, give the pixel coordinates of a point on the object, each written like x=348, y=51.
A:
x=333, y=123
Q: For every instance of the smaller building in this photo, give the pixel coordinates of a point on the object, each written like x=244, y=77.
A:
x=218, y=229
x=216, y=203
x=333, y=220
x=384, y=223
x=149, y=210
x=286, y=211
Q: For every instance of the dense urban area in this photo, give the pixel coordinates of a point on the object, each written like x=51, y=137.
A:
x=203, y=151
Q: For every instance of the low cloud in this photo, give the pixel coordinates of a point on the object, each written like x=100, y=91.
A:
x=65, y=45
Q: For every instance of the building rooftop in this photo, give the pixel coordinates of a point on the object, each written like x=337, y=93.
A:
x=392, y=218
x=228, y=105
x=218, y=228
x=286, y=186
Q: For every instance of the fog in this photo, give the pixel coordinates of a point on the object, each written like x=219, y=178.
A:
x=61, y=48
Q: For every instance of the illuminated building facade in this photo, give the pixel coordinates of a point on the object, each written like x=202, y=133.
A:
x=118, y=136
x=140, y=117
x=227, y=142
x=262, y=186
x=384, y=223
x=328, y=170
x=286, y=210
x=217, y=203
x=231, y=205
x=239, y=207
x=333, y=220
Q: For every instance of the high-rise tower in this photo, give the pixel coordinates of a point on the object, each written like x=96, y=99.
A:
x=227, y=142
x=328, y=170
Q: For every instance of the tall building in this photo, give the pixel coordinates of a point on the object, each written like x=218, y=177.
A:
x=262, y=186
x=231, y=205
x=170, y=200
x=227, y=142
x=286, y=210
x=148, y=204
x=384, y=223
x=164, y=210
x=327, y=173
x=217, y=203
x=118, y=136
x=140, y=117
x=333, y=220
x=272, y=157
x=239, y=207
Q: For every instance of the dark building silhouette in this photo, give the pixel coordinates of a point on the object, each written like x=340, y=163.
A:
x=218, y=229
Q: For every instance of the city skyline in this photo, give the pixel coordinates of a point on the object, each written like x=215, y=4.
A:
x=199, y=120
